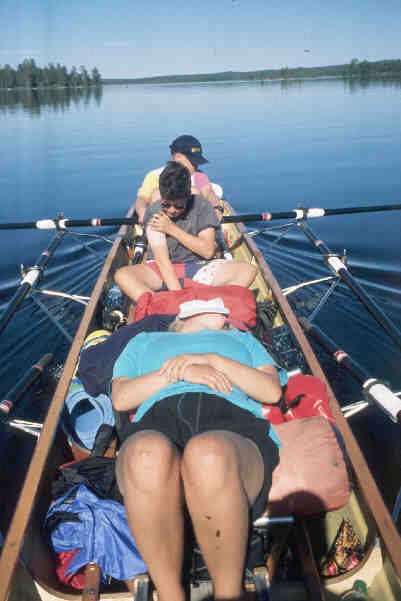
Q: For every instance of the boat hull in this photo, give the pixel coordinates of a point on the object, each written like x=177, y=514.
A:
x=365, y=509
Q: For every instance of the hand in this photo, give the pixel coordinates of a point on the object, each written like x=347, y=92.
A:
x=174, y=368
x=208, y=376
x=160, y=222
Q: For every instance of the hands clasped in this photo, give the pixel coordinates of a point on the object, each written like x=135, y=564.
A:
x=197, y=369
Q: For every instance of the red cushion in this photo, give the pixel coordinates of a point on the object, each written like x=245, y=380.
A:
x=238, y=299
x=312, y=475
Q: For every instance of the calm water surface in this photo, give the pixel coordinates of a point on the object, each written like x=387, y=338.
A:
x=272, y=147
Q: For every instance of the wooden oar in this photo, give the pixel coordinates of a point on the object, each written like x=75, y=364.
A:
x=299, y=214
x=375, y=390
x=31, y=278
x=338, y=267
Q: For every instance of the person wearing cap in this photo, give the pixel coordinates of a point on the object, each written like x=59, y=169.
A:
x=181, y=232
x=186, y=150
x=198, y=440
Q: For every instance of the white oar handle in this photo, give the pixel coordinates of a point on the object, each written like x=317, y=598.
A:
x=384, y=397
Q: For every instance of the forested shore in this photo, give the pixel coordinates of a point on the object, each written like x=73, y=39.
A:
x=29, y=75
x=354, y=69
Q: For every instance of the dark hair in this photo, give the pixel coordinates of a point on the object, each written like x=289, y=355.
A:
x=175, y=182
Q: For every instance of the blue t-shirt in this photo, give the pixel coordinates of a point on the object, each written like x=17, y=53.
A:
x=148, y=351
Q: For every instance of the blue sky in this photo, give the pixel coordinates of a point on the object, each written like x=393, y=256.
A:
x=135, y=38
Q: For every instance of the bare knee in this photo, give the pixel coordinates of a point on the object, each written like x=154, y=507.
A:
x=123, y=275
x=134, y=280
x=209, y=460
x=251, y=271
x=239, y=273
x=147, y=461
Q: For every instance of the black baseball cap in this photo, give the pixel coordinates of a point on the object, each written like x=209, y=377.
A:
x=189, y=146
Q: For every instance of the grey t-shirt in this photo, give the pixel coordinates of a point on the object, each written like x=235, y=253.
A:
x=198, y=216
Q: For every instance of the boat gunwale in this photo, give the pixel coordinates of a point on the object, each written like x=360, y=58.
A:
x=14, y=539
x=363, y=477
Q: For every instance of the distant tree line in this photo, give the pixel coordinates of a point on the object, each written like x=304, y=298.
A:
x=29, y=75
x=365, y=69
x=356, y=69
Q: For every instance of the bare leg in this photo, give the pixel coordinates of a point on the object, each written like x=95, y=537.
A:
x=222, y=473
x=148, y=475
x=238, y=273
x=134, y=280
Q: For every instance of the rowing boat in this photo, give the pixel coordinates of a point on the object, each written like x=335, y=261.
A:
x=33, y=570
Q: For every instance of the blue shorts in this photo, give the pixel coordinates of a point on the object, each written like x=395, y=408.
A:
x=180, y=417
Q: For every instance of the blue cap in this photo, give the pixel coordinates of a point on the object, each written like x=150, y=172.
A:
x=189, y=146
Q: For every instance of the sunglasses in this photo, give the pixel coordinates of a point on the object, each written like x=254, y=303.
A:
x=180, y=206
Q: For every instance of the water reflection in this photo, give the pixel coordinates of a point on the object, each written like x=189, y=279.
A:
x=351, y=85
x=33, y=101
x=357, y=84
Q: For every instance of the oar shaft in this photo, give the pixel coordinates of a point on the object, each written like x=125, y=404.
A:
x=339, y=268
x=339, y=355
x=363, y=209
x=299, y=214
x=31, y=278
x=7, y=404
x=302, y=214
x=62, y=224
x=374, y=389
x=13, y=305
x=259, y=217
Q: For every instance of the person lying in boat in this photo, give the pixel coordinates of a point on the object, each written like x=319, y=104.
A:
x=198, y=439
x=181, y=232
x=186, y=150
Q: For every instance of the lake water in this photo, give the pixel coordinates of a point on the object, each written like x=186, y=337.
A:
x=272, y=147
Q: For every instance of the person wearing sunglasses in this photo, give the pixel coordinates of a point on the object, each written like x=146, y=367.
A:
x=181, y=232
x=186, y=150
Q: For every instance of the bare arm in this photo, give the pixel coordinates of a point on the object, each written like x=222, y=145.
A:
x=146, y=193
x=141, y=205
x=158, y=244
x=261, y=384
x=203, y=244
x=129, y=393
x=207, y=192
